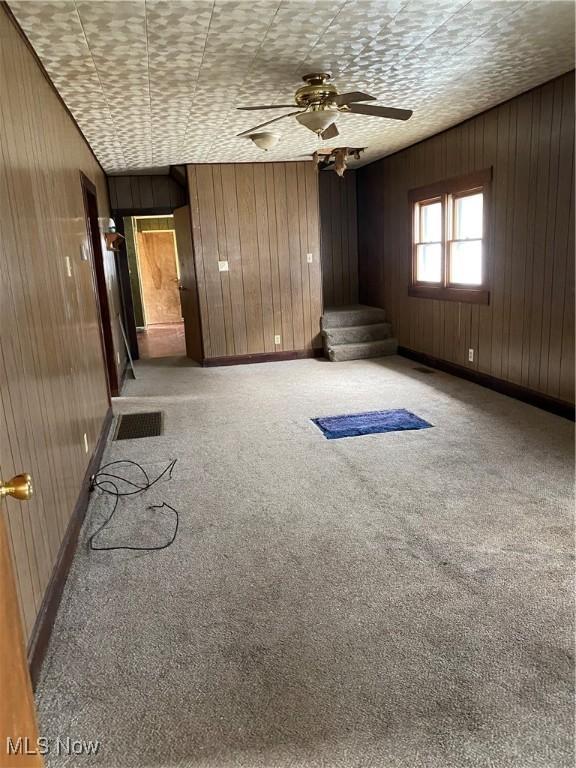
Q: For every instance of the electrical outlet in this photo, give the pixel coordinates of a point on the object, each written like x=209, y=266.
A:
x=223, y=266
x=68, y=266
x=85, y=442
x=309, y=258
x=277, y=340
x=470, y=355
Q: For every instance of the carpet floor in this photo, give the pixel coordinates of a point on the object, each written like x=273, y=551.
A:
x=400, y=600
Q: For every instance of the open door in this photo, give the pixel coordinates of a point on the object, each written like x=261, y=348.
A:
x=19, y=747
x=18, y=729
x=188, y=284
x=158, y=277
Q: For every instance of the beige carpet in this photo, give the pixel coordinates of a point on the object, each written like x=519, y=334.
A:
x=390, y=601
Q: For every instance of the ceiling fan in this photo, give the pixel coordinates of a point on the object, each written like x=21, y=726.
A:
x=320, y=104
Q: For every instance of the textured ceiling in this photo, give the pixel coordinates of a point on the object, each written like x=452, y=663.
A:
x=156, y=82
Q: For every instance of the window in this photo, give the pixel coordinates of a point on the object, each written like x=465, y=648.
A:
x=449, y=252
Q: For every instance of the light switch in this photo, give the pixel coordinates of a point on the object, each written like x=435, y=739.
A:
x=223, y=266
x=309, y=258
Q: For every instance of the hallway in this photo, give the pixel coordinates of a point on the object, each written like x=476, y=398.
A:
x=390, y=600
x=162, y=340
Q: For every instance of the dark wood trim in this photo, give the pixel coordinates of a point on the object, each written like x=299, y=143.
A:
x=44, y=623
x=263, y=357
x=442, y=293
x=8, y=11
x=99, y=278
x=539, y=400
x=89, y=185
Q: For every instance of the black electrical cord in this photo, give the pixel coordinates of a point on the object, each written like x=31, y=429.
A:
x=110, y=487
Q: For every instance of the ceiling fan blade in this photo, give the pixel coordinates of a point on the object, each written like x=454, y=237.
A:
x=269, y=106
x=274, y=119
x=330, y=133
x=349, y=98
x=390, y=112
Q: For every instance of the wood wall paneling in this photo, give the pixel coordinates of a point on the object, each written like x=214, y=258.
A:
x=145, y=193
x=262, y=219
x=526, y=334
x=52, y=379
x=339, y=237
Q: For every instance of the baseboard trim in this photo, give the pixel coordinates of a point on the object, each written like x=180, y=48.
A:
x=262, y=357
x=44, y=623
x=539, y=400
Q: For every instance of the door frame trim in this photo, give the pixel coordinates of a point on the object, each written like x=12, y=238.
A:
x=125, y=288
x=196, y=289
x=100, y=289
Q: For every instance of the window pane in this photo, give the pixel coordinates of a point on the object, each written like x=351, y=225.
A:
x=468, y=217
x=429, y=263
x=431, y=222
x=466, y=263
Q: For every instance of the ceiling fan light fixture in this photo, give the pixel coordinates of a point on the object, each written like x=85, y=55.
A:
x=317, y=120
x=265, y=140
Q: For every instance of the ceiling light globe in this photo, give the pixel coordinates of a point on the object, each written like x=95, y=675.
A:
x=265, y=140
x=316, y=120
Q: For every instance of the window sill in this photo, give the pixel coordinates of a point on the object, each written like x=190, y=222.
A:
x=468, y=295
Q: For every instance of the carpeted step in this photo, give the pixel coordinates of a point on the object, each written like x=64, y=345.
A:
x=346, y=317
x=358, y=333
x=339, y=352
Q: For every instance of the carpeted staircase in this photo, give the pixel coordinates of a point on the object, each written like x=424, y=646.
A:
x=352, y=333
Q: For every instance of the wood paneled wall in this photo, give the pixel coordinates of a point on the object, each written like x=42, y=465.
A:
x=526, y=334
x=52, y=376
x=339, y=241
x=146, y=193
x=263, y=219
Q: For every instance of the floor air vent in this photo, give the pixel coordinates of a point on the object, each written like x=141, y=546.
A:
x=131, y=426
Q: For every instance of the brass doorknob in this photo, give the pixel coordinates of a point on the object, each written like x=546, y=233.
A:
x=19, y=487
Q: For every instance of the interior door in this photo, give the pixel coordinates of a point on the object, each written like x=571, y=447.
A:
x=18, y=729
x=188, y=284
x=159, y=277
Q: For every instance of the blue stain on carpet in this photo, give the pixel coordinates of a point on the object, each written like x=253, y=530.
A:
x=369, y=423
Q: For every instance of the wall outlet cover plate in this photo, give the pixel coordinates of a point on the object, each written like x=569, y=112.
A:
x=223, y=266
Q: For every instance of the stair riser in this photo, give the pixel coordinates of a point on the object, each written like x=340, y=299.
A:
x=375, y=332
x=344, y=352
x=353, y=317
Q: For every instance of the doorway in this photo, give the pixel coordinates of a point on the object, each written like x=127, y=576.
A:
x=99, y=278
x=155, y=280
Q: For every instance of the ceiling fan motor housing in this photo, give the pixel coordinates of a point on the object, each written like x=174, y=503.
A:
x=316, y=91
